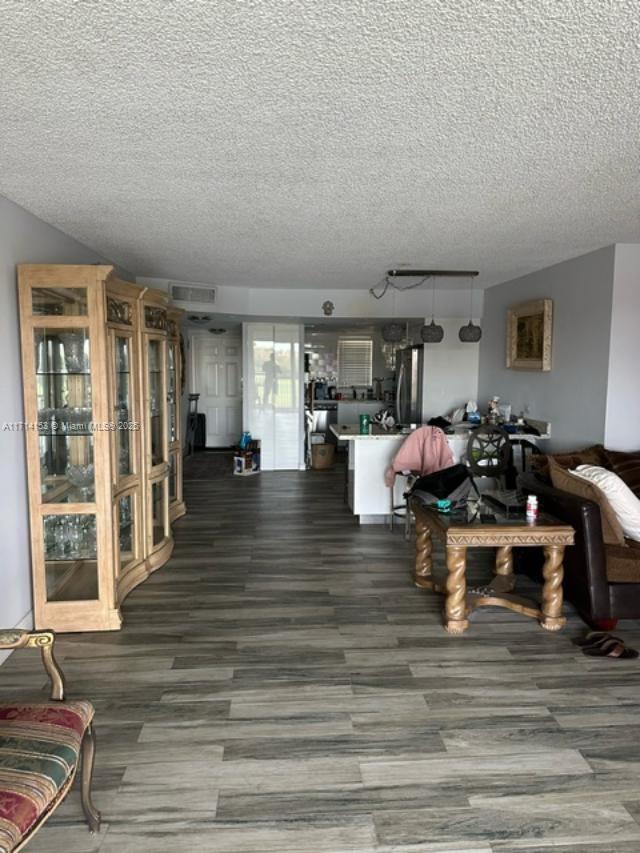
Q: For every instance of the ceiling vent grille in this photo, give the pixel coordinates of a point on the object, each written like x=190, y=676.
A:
x=192, y=293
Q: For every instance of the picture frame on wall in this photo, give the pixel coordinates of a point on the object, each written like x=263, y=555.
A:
x=529, y=335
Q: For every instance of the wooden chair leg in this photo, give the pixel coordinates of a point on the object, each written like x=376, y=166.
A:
x=87, y=755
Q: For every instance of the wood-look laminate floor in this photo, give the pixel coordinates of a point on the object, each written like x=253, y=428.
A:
x=281, y=686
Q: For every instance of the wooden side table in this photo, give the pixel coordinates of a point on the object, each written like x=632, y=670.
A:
x=458, y=534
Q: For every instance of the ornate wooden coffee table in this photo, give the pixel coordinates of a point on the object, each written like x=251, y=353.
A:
x=458, y=533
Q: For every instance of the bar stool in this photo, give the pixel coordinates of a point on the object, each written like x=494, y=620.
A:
x=403, y=510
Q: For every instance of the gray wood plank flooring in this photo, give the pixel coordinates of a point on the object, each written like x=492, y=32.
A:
x=281, y=687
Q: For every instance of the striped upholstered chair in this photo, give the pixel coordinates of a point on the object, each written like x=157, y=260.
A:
x=41, y=747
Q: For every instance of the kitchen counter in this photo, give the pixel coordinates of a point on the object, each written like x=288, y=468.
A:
x=351, y=432
x=351, y=401
x=369, y=456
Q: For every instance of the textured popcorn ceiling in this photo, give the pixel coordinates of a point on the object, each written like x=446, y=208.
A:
x=315, y=143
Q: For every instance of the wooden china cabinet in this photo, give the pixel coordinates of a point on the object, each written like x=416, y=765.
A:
x=101, y=364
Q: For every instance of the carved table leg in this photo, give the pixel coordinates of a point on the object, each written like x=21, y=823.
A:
x=424, y=548
x=504, y=581
x=504, y=560
x=552, y=618
x=456, y=602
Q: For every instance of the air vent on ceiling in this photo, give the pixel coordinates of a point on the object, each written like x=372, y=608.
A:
x=192, y=293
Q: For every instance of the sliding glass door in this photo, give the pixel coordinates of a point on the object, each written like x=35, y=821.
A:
x=272, y=394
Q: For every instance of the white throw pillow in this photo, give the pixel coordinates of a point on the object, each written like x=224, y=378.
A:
x=623, y=502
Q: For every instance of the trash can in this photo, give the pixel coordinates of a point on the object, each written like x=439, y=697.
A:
x=322, y=455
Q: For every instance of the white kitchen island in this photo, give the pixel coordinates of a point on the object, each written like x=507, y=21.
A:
x=369, y=455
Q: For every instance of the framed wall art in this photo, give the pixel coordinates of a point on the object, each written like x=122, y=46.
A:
x=529, y=335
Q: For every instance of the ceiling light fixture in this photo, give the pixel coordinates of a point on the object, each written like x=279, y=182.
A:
x=470, y=334
x=392, y=333
x=393, y=279
x=433, y=333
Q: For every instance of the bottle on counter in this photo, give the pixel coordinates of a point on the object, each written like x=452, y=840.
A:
x=532, y=508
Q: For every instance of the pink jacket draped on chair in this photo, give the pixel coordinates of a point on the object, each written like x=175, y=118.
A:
x=423, y=451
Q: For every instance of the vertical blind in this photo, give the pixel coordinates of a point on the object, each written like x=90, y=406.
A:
x=354, y=361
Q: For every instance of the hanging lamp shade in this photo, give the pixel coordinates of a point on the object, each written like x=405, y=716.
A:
x=432, y=333
x=470, y=334
x=392, y=333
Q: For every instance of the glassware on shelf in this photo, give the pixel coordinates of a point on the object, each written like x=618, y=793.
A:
x=70, y=537
x=75, y=352
x=82, y=477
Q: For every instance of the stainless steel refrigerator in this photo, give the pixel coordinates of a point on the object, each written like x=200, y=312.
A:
x=409, y=377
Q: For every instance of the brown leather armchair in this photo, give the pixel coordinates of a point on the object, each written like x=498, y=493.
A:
x=598, y=578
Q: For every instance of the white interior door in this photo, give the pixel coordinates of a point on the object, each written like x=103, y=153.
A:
x=216, y=376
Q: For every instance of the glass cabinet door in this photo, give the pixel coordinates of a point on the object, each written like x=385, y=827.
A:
x=127, y=530
x=159, y=512
x=156, y=400
x=63, y=396
x=173, y=476
x=123, y=405
x=172, y=404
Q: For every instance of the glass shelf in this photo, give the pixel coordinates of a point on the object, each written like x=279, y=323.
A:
x=61, y=491
x=51, y=433
x=63, y=373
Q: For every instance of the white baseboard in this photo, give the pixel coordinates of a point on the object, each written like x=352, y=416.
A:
x=26, y=623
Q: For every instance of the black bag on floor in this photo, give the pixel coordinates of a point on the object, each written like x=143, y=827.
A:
x=200, y=437
x=452, y=484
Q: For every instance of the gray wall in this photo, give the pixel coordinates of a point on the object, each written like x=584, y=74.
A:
x=450, y=370
x=622, y=431
x=572, y=396
x=23, y=239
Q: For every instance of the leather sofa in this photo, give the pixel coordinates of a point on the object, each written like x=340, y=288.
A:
x=601, y=580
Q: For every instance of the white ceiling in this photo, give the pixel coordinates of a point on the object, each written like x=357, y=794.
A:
x=316, y=144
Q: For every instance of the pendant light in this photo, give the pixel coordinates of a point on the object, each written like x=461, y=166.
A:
x=433, y=333
x=392, y=333
x=470, y=334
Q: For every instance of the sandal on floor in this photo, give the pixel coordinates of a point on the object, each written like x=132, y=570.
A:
x=594, y=638
x=611, y=648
